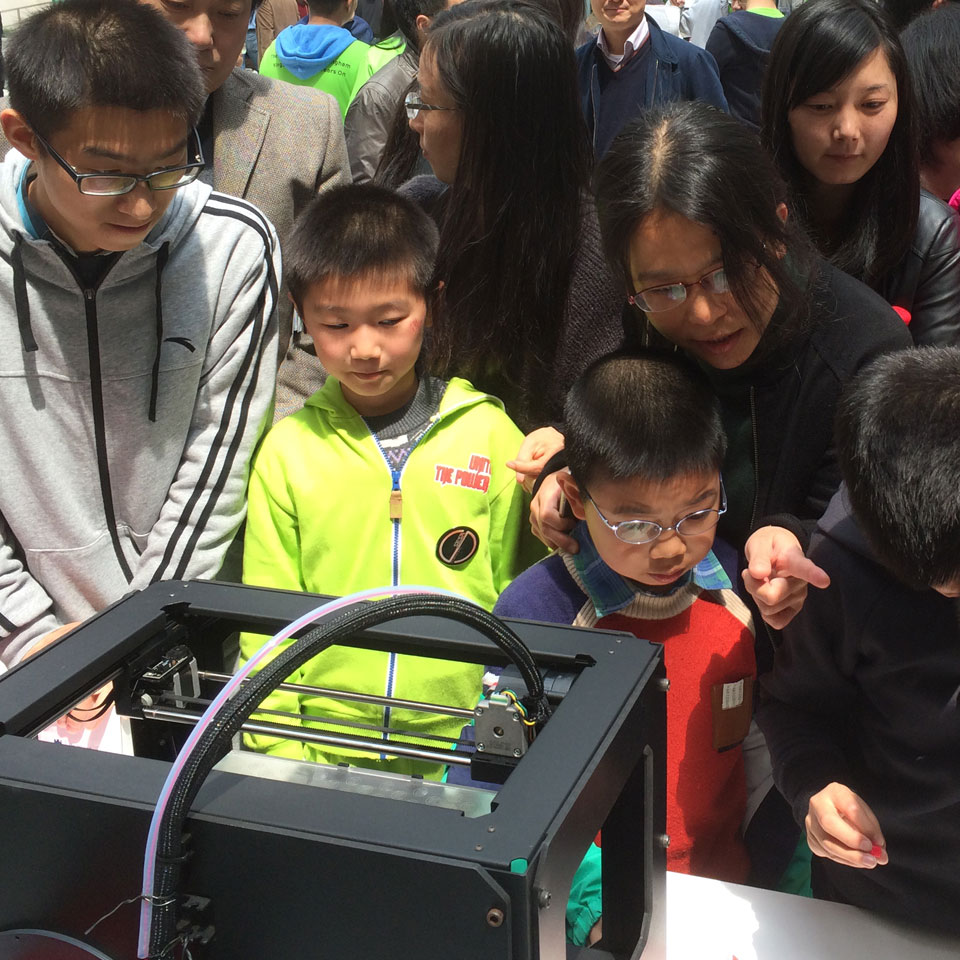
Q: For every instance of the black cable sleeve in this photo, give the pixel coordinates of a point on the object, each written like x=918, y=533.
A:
x=215, y=741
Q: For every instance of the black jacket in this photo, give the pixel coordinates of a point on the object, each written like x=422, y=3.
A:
x=740, y=43
x=791, y=394
x=927, y=281
x=864, y=692
x=789, y=398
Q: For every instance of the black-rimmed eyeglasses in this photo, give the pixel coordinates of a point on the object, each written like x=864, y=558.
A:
x=414, y=105
x=646, y=531
x=117, y=184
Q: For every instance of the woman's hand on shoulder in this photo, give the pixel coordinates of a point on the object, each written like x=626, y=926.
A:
x=546, y=520
x=841, y=827
x=778, y=573
x=537, y=448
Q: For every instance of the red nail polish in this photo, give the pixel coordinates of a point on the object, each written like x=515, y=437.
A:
x=876, y=850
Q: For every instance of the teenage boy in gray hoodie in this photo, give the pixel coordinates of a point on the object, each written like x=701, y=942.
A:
x=137, y=322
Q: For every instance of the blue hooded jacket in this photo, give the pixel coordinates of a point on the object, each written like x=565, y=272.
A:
x=306, y=49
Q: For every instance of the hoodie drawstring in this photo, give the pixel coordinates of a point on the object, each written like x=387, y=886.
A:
x=162, y=255
x=20, y=300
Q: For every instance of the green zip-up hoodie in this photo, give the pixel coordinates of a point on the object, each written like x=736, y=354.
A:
x=319, y=519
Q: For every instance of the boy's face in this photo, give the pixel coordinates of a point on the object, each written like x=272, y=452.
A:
x=107, y=140
x=367, y=332
x=661, y=562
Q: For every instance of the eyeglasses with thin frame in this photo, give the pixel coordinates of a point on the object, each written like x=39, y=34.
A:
x=414, y=105
x=669, y=295
x=117, y=184
x=646, y=531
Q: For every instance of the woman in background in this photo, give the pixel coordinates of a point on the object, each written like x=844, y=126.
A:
x=837, y=118
x=526, y=300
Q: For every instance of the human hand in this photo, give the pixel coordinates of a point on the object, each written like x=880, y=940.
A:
x=537, y=448
x=545, y=520
x=49, y=638
x=777, y=574
x=679, y=3
x=841, y=827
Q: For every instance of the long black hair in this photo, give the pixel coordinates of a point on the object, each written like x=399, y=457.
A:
x=817, y=47
x=691, y=159
x=511, y=219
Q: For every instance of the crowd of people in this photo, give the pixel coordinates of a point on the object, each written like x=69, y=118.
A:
x=612, y=330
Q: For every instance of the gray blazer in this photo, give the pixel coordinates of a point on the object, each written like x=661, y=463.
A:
x=275, y=144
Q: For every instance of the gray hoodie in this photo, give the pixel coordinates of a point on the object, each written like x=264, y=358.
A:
x=128, y=413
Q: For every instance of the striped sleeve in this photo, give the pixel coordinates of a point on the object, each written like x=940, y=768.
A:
x=206, y=502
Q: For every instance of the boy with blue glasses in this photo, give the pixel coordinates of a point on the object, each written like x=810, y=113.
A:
x=645, y=444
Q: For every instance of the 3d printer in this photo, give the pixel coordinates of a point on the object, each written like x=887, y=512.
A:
x=279, y=858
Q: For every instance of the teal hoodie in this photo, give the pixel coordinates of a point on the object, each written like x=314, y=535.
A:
x=322, y=56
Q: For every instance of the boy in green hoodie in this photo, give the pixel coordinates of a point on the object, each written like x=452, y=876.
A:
x=386, y=477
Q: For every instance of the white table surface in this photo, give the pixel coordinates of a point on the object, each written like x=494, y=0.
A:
x=711, y=920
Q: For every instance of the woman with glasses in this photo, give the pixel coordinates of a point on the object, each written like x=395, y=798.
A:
x=525, y=299
x=694, y=220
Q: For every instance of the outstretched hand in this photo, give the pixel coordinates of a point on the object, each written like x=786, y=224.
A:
x=778, y=573
x=841, y=827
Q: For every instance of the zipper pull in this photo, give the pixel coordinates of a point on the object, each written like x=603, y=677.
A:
x=396, y=498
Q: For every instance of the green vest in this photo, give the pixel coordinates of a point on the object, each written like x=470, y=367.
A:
x=341, y=78
x=383, y=52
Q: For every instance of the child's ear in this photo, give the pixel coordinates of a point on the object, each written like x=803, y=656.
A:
x=569, y=488
x=19, y=133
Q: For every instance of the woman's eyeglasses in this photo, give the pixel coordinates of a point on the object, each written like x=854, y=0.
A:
x=414, y=105
x=670, y=295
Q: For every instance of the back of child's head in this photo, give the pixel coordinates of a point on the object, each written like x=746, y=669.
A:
x=358, y=232
x=898, y=442
x=649, y=416
x=101, y=53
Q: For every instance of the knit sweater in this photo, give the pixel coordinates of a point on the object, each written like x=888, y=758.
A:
x=707, y=640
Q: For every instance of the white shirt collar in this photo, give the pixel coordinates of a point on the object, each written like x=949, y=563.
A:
x=633, y=43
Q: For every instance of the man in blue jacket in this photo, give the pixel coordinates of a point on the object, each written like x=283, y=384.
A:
x=632, y=65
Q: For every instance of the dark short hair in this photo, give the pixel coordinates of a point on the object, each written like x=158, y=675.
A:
x=406, y=13
x=101, y=53
x=899, y=450
x=932, y=45
x=818, y=45
x=691, y=159
x=324, y=8
x=647, y=415
x=358, y=230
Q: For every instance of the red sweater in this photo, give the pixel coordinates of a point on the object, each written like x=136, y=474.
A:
x=707, y=641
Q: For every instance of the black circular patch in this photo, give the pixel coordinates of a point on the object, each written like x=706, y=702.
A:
x=457, y=546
